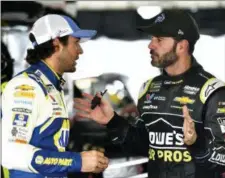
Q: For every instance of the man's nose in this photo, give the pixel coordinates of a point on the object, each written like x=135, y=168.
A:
x=80, y=50
x=151, y=45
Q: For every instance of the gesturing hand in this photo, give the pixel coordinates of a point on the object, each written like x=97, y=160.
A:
x=101, y=114
x=190, y=135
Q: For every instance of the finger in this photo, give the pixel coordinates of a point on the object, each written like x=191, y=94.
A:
x=82, y=101
x=186, y=114
x=191, y=125
x=98, y=170
x=82, y=108
x=99, y=95
x=100, y=154
x=185, y=111
x=103, y=160
x=88, y=96
x=185, y=126
x=103, y=164
x=189, y=130
x=186, y=140
x=83, y=115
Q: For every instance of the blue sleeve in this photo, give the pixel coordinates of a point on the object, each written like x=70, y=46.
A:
x=53, y=163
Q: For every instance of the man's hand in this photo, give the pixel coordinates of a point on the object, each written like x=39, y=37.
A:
x=93, y=161
x=102, y=113
x=190, y=135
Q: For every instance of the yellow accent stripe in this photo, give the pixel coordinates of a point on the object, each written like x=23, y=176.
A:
x=25, y=74
x=45, y=126
x=146, y=88
x=51, y=69
x=6, y=172
x=203, y=98
x=3, y=85
x=65, y=126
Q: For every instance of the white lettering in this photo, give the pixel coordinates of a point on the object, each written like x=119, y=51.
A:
x=166, y=138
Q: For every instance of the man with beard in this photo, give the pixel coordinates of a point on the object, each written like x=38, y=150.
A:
x=181, y=126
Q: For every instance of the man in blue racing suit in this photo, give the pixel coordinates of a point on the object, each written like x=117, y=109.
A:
x=35, y=124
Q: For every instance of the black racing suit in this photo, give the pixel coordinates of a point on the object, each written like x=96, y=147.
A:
x=158, y=131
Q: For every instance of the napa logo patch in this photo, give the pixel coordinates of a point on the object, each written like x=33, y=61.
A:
x=39, y=159
x=20, y=120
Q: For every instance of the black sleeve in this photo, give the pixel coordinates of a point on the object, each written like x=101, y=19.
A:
x=212, y=154
x=130, y=133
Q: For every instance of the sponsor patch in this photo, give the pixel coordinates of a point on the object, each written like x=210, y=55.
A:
x=221, y=110
x=20, y=120
x=53, y=161
x=149, y=98
x=166, y=142
x=221, y=103
x=14, y=131
x=167, y=82
x=24, y=87
x=160, y=98
x=23, y=102
x=19, y=135
x=221, y=121
x=218, y=156
x=155, y=86
x=22, y=110
x=39, y=159
x=184, y=100
x=24, y=94
x=191, y=90
x=50, y=88
x=150, y=107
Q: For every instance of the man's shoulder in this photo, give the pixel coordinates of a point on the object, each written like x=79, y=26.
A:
x=210, y=85
x=145, y=86
x=204, y=75
x=25, y=81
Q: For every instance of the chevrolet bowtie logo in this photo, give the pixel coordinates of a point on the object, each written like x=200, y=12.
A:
x=184, y=100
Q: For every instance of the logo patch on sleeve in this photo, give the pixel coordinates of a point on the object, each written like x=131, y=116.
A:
x=20, y=120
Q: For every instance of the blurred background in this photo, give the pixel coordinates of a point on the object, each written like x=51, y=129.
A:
x=117, y=59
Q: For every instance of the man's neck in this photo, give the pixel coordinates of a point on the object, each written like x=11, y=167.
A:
x=179, y=67
x=53, y=66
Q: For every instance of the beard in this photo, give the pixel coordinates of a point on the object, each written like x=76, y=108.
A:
x=166, y=59
x=66, y=63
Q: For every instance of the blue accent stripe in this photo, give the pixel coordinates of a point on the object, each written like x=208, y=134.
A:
x=71, y=23
x=39, y=83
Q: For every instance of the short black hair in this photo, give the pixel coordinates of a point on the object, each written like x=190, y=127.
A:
x=7, y=63
x=42, y=51
x=191, y=45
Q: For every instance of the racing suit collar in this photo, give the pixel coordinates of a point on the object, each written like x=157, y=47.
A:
x=56, y=79
x=195, y=66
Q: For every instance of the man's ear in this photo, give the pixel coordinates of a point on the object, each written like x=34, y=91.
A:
x=183, y=46
x=57, y=45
